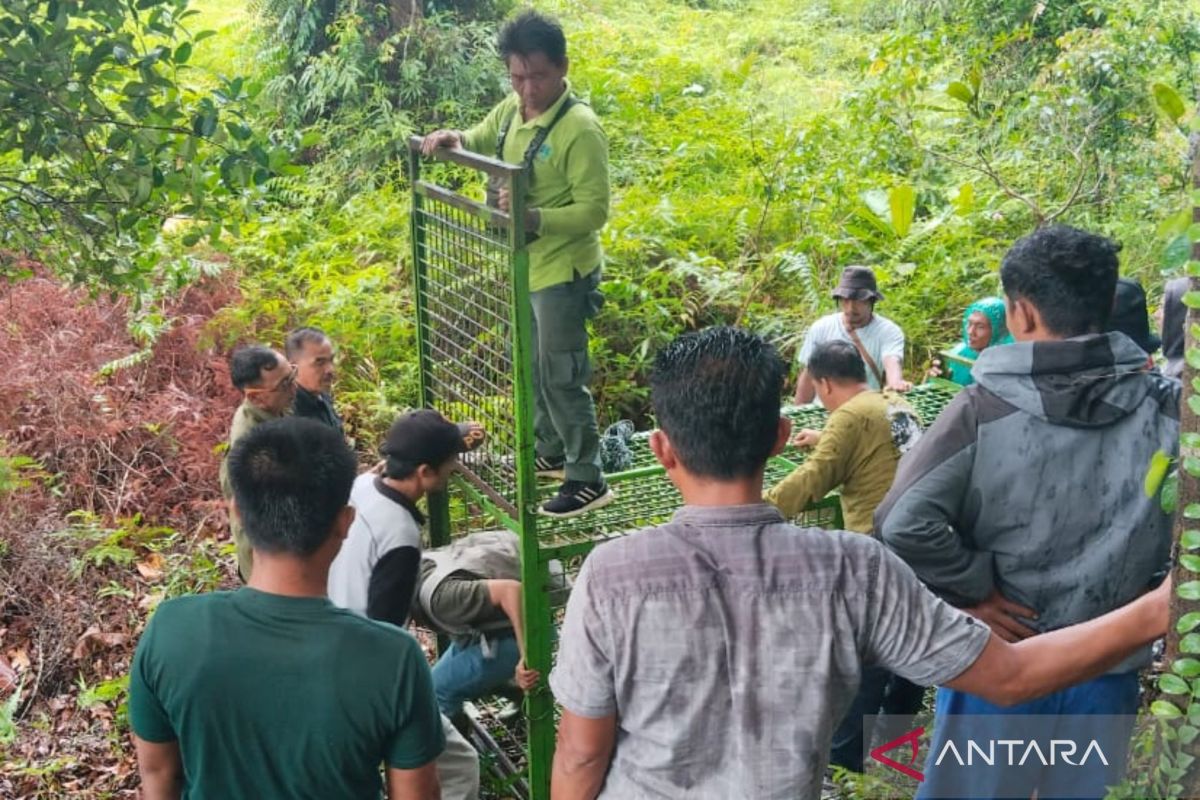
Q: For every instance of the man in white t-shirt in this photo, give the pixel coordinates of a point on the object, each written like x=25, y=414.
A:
x=375, y=572
x=878, y=340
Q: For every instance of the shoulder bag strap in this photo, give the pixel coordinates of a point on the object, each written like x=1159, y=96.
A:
x=866, y=357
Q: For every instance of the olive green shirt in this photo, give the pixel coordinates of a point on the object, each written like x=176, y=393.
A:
x=245, y=419
x=569, y=185
x=858, y=451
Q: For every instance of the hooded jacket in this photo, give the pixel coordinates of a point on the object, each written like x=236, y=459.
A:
x=1031, y=482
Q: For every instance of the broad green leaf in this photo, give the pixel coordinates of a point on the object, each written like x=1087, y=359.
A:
x=1191, y=299
x=1190, y=643
x=1191, y=465
x=902, y=202
x=1190, y=439
x=1188, y=734
x=1160, y=462
x=960, y=91
x=1164, y=709
x=183, y=53
x=1190, y=562
x=1189, y=590
x=1186, y=668
x=1194, y=403
x=1188, y=622
x=1167, y=99
x=1177, y=251
x=1169, y=498
x=1173, y=684
x=1175, y=224
x=1190, y=540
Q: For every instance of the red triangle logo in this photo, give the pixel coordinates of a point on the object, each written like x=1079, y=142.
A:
x=913, y=739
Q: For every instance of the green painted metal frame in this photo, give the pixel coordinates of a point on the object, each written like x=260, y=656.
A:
x=521, y=515
x=645, y=496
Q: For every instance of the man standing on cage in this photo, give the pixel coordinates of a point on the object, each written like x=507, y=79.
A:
x=560, y=143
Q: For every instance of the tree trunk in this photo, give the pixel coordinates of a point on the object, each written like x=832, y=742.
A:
x=1189, y=490
x=403, y=13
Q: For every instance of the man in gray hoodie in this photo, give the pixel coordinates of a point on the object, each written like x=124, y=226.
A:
x=1024, y=503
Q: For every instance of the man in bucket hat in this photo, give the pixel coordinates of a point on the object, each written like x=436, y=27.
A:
x=878, y=340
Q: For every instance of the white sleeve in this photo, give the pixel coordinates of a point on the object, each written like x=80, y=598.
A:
x=893, y=342
x=815, y=336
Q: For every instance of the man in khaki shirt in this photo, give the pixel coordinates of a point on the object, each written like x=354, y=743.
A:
x=268, y=385
x=859, y=448
x=864, y=437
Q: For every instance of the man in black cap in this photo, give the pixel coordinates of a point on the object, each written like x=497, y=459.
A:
x=1174, y=324
x=878, y=340
x=375, y=574
x=1130, y=317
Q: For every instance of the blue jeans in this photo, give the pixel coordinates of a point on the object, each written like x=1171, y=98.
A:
x=465, y=673
x=1115, y=695
x=879, y=692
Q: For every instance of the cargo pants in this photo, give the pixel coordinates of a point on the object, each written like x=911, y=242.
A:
x=564, y=418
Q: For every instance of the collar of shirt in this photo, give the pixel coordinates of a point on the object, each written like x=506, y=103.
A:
x=401, y=498
x=314, y=400
x=258, y=415
x=543, y=119
x=728, y=516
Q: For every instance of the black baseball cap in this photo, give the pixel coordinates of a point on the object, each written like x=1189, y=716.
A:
x=1129, y=315
x=426, y=437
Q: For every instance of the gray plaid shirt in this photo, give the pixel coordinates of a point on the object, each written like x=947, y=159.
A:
x=729, y=644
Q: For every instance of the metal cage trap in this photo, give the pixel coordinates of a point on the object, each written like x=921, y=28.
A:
x=470, y=266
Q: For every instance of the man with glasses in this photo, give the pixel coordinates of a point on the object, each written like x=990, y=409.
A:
x=267, y=382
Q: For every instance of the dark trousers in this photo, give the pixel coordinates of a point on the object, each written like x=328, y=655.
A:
x=880, y=692
x=564, y=417
x=961, y=717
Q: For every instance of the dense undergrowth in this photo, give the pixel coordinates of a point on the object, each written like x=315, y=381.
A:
x=757, y=147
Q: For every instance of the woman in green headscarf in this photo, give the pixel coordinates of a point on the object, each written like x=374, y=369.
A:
x=984, y=325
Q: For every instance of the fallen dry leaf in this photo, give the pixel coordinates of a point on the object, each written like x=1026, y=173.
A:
x=8, y=676
x=152, y=568
x=93, y=639
x=19, y=659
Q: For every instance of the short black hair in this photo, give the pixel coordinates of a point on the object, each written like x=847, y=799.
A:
x=1069, y=276
x=291, y=477
x=838, y=361
x=297, y=339
x=716, y=395
x=247, y=363
x=530, y=32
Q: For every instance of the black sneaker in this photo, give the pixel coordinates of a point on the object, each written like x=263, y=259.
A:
x=577, y=497
x=550, y=467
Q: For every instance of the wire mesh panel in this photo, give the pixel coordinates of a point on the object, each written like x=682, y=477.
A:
x=465, y=325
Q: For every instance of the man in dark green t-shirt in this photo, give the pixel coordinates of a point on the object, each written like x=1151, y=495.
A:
x=272, y=691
